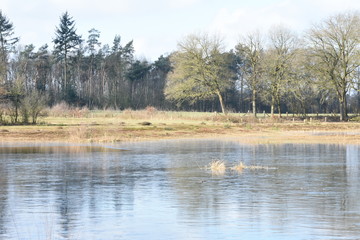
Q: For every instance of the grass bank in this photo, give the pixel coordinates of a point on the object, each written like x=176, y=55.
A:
x=150, y=124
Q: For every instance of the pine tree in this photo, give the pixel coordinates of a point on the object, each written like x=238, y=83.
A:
x=93, y=40
x=93, y=43
x=7, y=41
x=65, y=41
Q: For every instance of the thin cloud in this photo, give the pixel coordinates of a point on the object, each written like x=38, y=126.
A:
x=93, y=6
x=296, y=15
x=156, y=26
x=182, y=3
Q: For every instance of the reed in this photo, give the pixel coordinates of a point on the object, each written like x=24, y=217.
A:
x=241, y=166
x=217, y=167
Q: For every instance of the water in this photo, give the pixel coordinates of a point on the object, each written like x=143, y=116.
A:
x=160, y=190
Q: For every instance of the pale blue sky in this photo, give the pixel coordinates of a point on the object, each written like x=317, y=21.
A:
x=157, y=25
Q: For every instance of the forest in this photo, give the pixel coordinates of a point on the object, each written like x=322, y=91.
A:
x=274, y=72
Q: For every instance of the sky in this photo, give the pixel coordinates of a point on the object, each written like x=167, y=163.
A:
x=156, y=26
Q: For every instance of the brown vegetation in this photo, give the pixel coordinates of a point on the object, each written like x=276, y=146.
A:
x=115, y=126
x=217, y=167
x=241, y=166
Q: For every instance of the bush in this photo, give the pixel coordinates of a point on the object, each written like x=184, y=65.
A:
x=32, y=106
x=2, y=114
x=150, y=110
x=63, y=109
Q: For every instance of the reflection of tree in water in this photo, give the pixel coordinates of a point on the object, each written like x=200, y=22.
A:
x=68, y=183
x=206, y=198
x=312, y=183
x=315, y=182
x=353, y=172
x=86, y=184
x=3, y=197
x=198, y=193
x=350, y=201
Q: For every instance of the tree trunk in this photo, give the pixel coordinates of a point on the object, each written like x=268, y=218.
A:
x=132, y=91
x=4, y=63
x=343, y=111
x=221, y=103
x=90, y=84
x=358, y=100
x=279, y=109
x=358, y=97
x=242, y=106
x=65, y=78
x=16, y=112
x=272, y=106
x=254, y=103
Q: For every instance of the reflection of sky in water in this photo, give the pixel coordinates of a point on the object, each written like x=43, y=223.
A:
x=160, y=190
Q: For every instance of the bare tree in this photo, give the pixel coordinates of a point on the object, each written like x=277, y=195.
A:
x=200, y=70
x=334, y=45
x=279, y=59
x=251, y=50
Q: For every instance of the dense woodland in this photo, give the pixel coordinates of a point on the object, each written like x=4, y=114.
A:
x=273, y=72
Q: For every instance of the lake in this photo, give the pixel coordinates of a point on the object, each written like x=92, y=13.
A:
x=164, y=190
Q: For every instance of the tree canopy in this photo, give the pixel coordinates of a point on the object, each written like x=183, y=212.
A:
x=200, y=70
x=334, y=46
x=7, y=41
x=66, y=40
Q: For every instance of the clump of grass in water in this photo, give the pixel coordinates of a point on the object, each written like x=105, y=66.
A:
x=217, y=167
x=241, y=166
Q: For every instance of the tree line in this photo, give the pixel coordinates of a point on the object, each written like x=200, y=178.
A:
x=277, y=72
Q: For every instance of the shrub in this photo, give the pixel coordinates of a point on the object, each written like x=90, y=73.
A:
x=63, y=109
x=2, y=114
x=32, y=106
x=151, y=110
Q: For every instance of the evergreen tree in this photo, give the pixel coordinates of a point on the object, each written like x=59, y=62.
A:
x=136, y=74
x=116, y=64
x=43, y=68
x=7, y=41
x=159, y=72
x=93, y=42
x=66, y=41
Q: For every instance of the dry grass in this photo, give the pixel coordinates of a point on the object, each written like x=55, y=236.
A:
x=241, y=166
x=64, y=110
x=113, y=126
x=217, y=167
